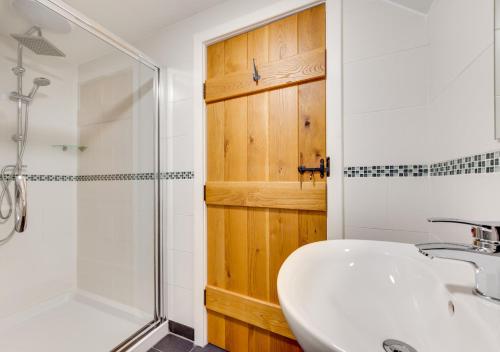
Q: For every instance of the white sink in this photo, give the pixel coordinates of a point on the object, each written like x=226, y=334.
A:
x=351, y=296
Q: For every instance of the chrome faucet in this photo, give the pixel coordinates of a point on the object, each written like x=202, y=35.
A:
x=483, y=254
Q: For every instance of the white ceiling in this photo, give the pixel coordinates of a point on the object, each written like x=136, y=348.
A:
x=136, y=19
x=422, y=6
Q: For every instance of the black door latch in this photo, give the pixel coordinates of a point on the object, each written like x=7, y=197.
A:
x=324, y=168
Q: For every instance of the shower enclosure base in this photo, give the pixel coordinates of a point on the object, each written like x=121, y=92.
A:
x=74, y=323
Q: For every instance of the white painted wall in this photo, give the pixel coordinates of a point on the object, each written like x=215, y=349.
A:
x=40, y=264
x=385, y=119
x=172, y=48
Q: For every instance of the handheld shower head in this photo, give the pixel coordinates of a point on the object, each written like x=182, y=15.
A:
x=37, y=83
x=41, y=81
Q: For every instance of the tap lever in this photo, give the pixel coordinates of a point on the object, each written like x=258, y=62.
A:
x=483, y=254
x=488, y=231
x=487, y=225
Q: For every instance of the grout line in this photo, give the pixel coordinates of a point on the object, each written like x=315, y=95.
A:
x=409, y=9
x=460, y=74
x=392, y=53
x=402, y=108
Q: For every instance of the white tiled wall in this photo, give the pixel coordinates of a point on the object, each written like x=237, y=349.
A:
x=40, y=264
x=420, y=90
x=461, y=110
x=385, y=119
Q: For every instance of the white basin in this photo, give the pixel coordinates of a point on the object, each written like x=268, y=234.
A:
x=350, y=296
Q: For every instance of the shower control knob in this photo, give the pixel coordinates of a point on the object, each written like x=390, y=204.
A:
x=17, y=138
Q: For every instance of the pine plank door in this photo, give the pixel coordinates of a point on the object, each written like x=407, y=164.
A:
x=258, y=210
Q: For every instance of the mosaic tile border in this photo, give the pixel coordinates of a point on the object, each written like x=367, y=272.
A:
x=484, y=163
x=387, y=171
x=173, y=175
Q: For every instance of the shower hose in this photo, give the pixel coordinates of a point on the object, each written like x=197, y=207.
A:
x=7, y=175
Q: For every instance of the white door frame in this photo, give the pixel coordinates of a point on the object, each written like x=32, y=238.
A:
x=334, y=128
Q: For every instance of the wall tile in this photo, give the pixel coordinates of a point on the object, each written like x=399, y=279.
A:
x=183, y=233
x=183, y=197
x=371, y=234
x=183, y=153
x=386, y=83
x=182, y=116
x=376, y=28
x=180, y=305
x=180, y=269
x=459, y=30
x=407, y=204
x=365, y=202
x=386, y=137
x=461, y=119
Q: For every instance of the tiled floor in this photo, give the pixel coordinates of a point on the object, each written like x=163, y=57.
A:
x=173, y=343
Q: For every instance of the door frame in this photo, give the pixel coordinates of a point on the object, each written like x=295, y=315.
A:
x=334, y=129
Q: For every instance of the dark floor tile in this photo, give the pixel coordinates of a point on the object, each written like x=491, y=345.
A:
x=197, y=349
x=172, y=343
x=212, y=348
x=181, y=330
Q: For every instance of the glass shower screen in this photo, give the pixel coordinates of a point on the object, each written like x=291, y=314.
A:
x=78, y=143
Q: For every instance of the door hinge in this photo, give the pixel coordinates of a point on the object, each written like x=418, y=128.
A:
x=204, y=91
x=204, y=193
x=205, y=297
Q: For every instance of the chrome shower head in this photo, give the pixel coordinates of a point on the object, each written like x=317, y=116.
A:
x=41, y=81
x=38, y=44
x=37, y=83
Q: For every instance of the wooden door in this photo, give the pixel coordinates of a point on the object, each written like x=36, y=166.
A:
x=258, y=211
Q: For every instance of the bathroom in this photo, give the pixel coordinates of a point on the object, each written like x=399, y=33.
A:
x=266, y=175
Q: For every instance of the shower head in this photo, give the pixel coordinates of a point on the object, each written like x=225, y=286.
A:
x=41, y=81
x=37, y=83
x=38, y=44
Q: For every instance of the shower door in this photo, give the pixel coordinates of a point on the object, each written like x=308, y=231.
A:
x=80, y=243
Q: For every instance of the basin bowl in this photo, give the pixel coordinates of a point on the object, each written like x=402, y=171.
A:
x=351, y=296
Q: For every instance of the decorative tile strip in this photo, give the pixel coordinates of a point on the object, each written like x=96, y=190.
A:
x=173, y=175
x=117, y=177
x=387, y=171
x=177, y=175
x=51, y=178
x=475, y=164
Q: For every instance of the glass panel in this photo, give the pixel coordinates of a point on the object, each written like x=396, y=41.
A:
x=81, y=275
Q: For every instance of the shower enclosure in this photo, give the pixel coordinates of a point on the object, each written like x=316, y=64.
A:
x=80, y=234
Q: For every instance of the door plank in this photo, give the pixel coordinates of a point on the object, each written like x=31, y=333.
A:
x=311, y=29
x=283, y=38
x=278, y=195
x=235, y=54
x=258, y=47
x=312, y=227
x=216, y=271
x=297, y=69
x=312, y=126
x=258, y=137
x=250, y=310
x=235, y=230
x=215, y=60
x=283, y=135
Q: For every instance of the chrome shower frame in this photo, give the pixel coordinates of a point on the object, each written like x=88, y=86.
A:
x=101, y=33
